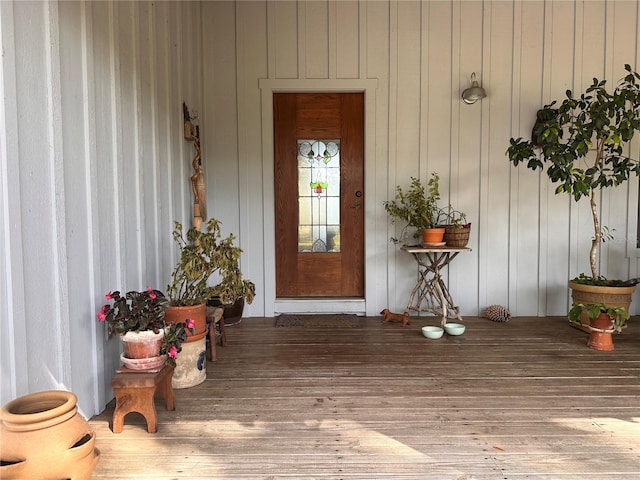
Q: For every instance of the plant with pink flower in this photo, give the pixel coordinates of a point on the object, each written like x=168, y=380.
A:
x=134, y=312
x=141, y=311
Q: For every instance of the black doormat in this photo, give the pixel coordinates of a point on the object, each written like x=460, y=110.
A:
x=320, y=321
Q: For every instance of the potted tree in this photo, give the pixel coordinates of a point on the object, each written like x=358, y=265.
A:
x=203, y=255
x=139, y=319
x=418, y=208
x=581, y=144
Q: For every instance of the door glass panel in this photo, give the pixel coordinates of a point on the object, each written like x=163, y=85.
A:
x=318, y=195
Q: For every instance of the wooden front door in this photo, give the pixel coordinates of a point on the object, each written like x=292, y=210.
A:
x=319, y=194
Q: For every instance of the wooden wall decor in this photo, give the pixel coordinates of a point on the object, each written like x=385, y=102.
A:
x=192, y=133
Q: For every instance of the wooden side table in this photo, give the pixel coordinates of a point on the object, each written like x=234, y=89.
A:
x=135, y=392
x=430, y=293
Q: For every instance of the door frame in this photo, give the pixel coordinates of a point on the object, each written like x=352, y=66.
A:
x=358, y=306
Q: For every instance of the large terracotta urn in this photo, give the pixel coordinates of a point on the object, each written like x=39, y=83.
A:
x=44, y=437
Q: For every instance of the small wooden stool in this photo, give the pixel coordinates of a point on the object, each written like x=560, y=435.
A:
x=134, y=393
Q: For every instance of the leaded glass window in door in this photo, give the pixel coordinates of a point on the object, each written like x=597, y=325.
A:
x=318, y=195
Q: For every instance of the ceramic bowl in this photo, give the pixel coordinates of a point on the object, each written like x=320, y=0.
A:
x=432, y=332
x=454, y=328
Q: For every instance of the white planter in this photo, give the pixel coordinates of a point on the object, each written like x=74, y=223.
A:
x=191, y=365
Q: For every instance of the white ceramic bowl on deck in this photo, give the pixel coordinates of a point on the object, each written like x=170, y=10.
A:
x=432, y=332
x=454, y=328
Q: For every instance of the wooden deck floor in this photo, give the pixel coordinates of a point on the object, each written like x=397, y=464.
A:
x=521, y=400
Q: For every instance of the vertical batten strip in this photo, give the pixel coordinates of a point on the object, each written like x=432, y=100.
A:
x=484, y=239
x=575, y=219
x=633, y=235
x=60, y=307
x=90, y=180
x=12, y=296
x=116, y=130
x=392, y=167
x=135, y=230
x=516, y=114
x=543, y=250
x=151, y=236
x=332, y=16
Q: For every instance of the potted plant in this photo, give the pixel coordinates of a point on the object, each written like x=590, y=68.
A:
x=205, y=254
x=418, y=209
x=138, y=318
x=456, y=228
x=603, y=321
x=581, y=144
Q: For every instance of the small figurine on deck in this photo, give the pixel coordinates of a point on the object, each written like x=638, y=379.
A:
x=389, y=316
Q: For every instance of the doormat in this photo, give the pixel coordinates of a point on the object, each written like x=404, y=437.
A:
x=319, y=321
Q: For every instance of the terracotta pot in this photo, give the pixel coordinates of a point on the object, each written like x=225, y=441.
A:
x=598, y=339
x=145, y=344
x=198, y=313
x=44, y=436
x=594, y=294
x=432, y=235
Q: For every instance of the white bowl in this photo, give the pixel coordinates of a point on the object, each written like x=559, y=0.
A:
x=432, y=332
x=454, y=328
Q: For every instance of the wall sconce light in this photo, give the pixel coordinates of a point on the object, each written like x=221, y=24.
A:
x=474, y=93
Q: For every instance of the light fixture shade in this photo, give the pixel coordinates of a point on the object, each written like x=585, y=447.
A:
x=474, y=93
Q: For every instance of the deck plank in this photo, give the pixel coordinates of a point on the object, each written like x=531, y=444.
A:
x=521, y=400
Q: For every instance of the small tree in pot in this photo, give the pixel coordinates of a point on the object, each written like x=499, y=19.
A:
x=203, y=255
x=581, y=143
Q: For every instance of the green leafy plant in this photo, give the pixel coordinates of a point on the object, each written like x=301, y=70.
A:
x=141, y=311
x=134, y=312
x=204, y=254
x=417, y=207
x=581, y=144
x=618, y=315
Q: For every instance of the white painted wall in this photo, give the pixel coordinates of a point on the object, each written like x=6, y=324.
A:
x=94, y=168
x=526, y=241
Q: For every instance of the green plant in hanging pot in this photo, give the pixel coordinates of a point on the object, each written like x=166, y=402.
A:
x=418, y=209
x=581, y=144
x=205, y=254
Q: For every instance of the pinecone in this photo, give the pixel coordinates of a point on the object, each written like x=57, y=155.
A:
x=497, y=313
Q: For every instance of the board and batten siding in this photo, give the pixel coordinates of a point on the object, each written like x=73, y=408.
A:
x=94, y=167
x=419, y=56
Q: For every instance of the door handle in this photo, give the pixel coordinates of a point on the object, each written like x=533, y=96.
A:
x=358, y=193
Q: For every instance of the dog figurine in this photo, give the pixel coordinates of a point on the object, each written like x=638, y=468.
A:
x=389, y=316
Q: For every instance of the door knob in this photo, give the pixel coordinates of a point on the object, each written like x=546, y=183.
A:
x=358, y=194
